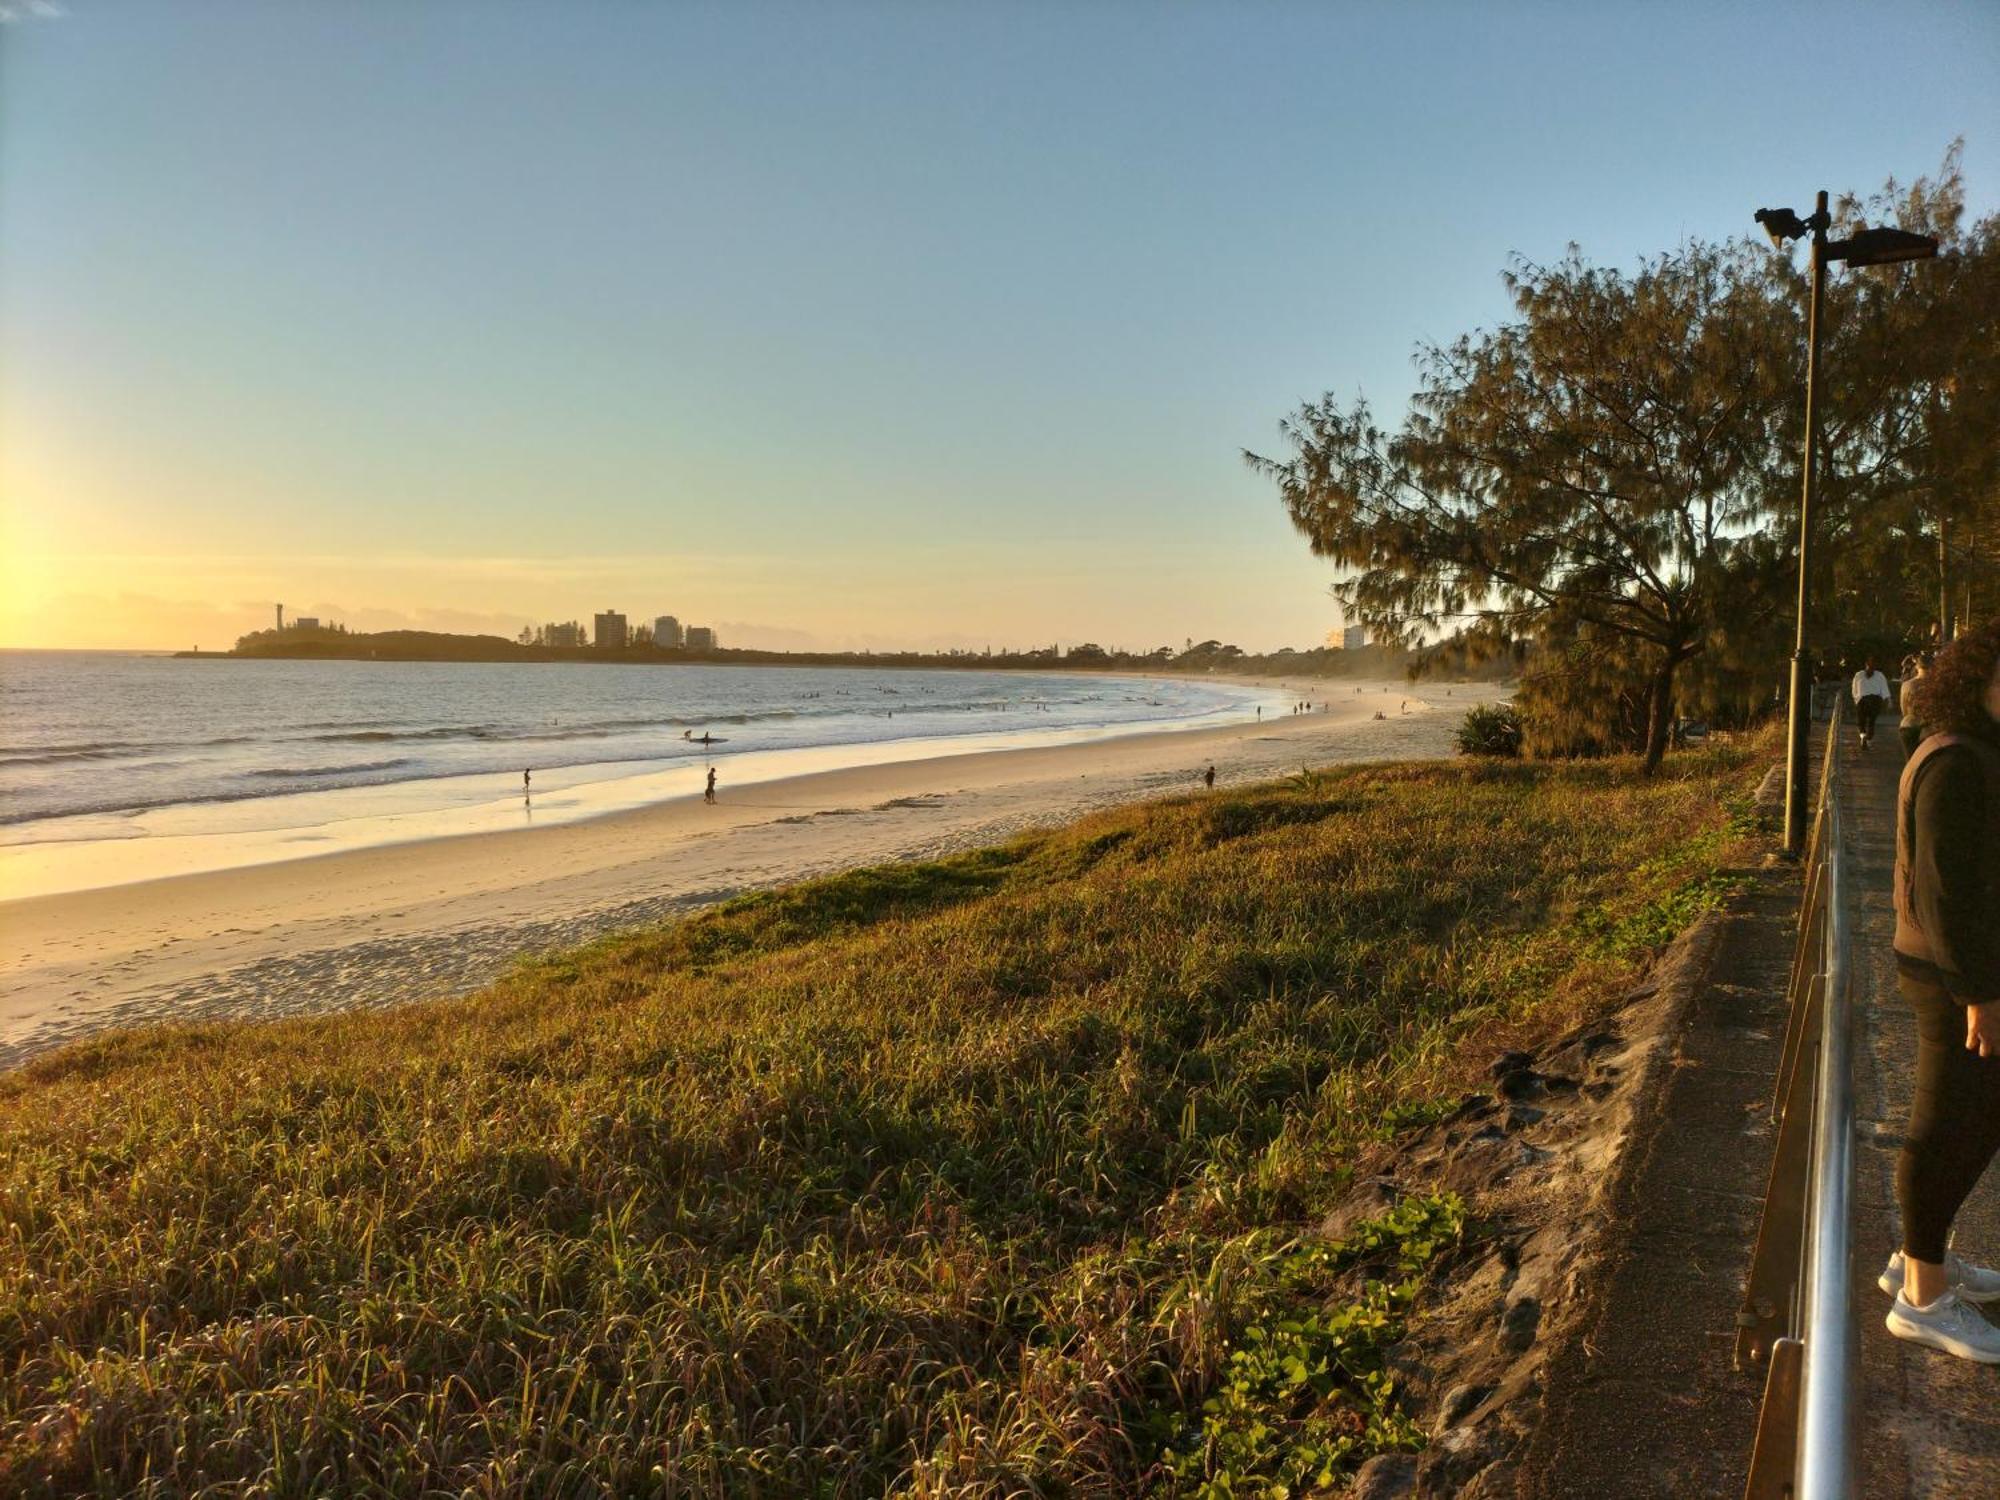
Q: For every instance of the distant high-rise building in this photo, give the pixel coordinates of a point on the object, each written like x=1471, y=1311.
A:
x=701, y=638
x=306, y=622
x=567, y=634
x=610, y=633
x=1353, y=638
x=667, y=631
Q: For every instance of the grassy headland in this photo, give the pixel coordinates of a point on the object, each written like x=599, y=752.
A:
x=994, y=1174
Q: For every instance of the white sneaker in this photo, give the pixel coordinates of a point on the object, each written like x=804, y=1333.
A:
x=1948, y=1324
x=1973, y=1283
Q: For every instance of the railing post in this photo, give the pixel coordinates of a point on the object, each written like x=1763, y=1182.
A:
x=1776, y=1454
x=1773, y=1283
x=1802, y=1015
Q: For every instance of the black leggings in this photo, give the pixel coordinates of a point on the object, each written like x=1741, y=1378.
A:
x=1866, y=709
x=1954, y=1122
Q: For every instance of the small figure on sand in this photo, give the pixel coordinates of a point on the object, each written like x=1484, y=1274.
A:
x=527, y=783
x=1208, y=778
x=709, y=794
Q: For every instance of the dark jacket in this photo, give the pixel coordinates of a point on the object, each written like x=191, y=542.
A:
x=1948, y=869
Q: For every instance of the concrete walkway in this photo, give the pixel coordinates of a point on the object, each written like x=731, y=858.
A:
x=1643, y=1404
x=1930, y=1424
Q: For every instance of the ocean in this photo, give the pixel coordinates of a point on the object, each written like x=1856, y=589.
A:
x=112, y=746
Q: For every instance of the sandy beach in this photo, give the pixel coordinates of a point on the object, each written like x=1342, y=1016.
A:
x=434, y=918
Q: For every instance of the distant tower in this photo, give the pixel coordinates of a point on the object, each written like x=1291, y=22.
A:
x=281, y=617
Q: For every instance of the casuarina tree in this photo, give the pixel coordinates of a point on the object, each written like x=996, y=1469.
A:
x=1910, y=469
x=1591, y=471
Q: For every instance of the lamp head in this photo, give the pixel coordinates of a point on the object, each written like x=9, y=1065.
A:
x=1782, y=225
x=1884, y=247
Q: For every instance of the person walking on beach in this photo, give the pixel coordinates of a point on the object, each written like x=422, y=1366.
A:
x=1208, y=778
x=1947, y=894
x=708, y=795
x=1871, y=696
x=527, y=782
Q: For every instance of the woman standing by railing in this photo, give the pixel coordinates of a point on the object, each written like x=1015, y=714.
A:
x=1948, y=967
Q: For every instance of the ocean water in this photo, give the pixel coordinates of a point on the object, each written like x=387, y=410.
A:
x=105, y=746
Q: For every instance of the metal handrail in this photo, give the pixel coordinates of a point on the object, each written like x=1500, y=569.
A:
x=1825, y=1467
x=1798, y=1313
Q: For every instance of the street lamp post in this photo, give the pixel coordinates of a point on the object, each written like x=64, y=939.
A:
x=1865, y=247
x=1798, y=738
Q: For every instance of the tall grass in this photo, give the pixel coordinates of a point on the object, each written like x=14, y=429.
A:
x=986, y=1175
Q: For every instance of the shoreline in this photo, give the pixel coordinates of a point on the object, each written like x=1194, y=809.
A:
x=128, y=846
x=425, y=919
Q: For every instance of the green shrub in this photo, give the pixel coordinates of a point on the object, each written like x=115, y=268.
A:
x=1306, y=1392
x=1490, y=729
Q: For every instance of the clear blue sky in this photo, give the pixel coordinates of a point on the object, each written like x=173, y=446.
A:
x=857, y=323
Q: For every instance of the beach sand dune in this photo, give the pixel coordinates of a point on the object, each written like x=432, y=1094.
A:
x=421, y=920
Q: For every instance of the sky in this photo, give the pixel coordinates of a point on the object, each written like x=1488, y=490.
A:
x=837, y=325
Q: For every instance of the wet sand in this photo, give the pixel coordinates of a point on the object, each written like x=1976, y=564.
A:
x=427, y=919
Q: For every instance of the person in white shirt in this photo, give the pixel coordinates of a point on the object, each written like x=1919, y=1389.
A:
x=1871, y=696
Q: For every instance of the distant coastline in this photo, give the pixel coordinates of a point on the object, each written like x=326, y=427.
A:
x=435, y=646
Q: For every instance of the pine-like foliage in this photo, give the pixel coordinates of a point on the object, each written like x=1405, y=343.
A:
x=1909, y=474
x=1612, y=475
x=1590, y=468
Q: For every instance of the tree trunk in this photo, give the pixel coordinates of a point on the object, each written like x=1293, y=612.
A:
x=1944, y=582
x=1659, y=714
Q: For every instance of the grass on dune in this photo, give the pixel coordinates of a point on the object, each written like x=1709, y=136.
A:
x=988, y=1175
